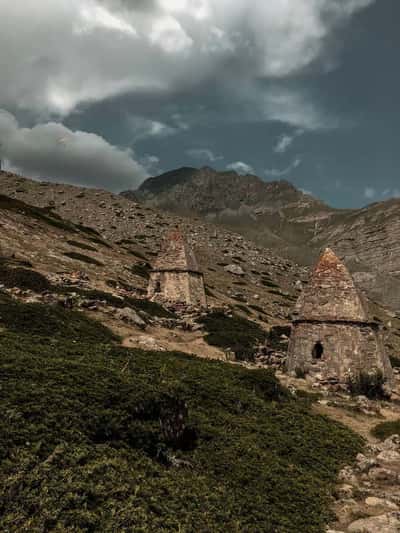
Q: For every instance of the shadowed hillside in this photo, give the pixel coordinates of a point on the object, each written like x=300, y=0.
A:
x=82, y=448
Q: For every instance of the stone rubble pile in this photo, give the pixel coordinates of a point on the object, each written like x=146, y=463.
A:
x=368, y=496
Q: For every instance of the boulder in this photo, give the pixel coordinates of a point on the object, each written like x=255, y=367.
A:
x=345, y=491
x=365, y=464
x=385, y=523
x=130, y=316
x=380, y=502
x=389, y=456
x=392, y=443
x=383, y=474
x=234, y=269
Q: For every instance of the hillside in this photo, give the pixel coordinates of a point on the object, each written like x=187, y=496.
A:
x=134, y=232
x=291, y=223
x=106, y=243
x=263, y=212
x=82, y=448
x=105, y=422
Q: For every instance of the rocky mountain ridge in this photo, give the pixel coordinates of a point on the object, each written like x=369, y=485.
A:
x=293, y=224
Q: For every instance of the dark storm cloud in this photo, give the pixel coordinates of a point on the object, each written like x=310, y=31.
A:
x=198, y=81
x=86, y=51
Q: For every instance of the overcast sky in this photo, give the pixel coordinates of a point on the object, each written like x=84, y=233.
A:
x=107, y=92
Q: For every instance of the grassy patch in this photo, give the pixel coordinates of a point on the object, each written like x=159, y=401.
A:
x=83, y=258
x=243, y=308
x=50, y=321
x=269, y=283
x=82, y=246
x=385, y=430
x=38, y=213
x=275, y=340
x=236, y=333
x=257, y=308
x=81, y=447
x=88, y=230
x=395, y=361
x=101, y=242
x=371, y=385
x=151, y=308
x=23, y=278
x=141, y=269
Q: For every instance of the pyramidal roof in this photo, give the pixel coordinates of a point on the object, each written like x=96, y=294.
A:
x=176, y=254
x=331, y=293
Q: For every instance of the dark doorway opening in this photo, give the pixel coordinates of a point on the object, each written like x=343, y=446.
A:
x=157, y=288
x=318, y=351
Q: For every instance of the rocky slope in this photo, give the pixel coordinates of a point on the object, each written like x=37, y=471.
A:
x=252, y=280
x=90, y=250
x=265, y=212
x=293, y=224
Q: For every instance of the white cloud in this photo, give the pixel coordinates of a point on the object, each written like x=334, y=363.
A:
x=95, y=16
x=89, y=50
x=204, y=154
x=143, y=128
x=276, y=173
x=369, y=192
x=167, y=33
x=285, y=141
x=53, y=151
x=241, y=168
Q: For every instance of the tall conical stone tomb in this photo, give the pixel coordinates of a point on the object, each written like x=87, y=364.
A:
x=332, y=336
x=176, y=276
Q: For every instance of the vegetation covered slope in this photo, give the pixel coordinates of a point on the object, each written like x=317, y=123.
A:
x=81, y=447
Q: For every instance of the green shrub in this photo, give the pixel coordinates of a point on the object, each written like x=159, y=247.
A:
x=84, y=258
x=269, y=283
x=138, y=254
x=88, y=230
x=101, y=242
x=257, y=308
x=243, y=308
x=23, y=278
x=81, y=446
x=151, y=308
x=395, y=361
x=141, y=269
x=82, y=246
x=236, y=333
x=275, y=340
x=371, y=385
x=51, y=321
x=385, y=430
x=37, y=213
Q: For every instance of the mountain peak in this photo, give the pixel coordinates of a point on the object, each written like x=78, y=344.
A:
x=206, y=190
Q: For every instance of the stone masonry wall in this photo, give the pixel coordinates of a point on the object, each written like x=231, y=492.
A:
x=347, y=348
x=197, y=289
x=184, y=287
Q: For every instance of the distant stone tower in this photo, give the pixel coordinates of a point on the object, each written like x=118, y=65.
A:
x=176, y=276
x=331, y=333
